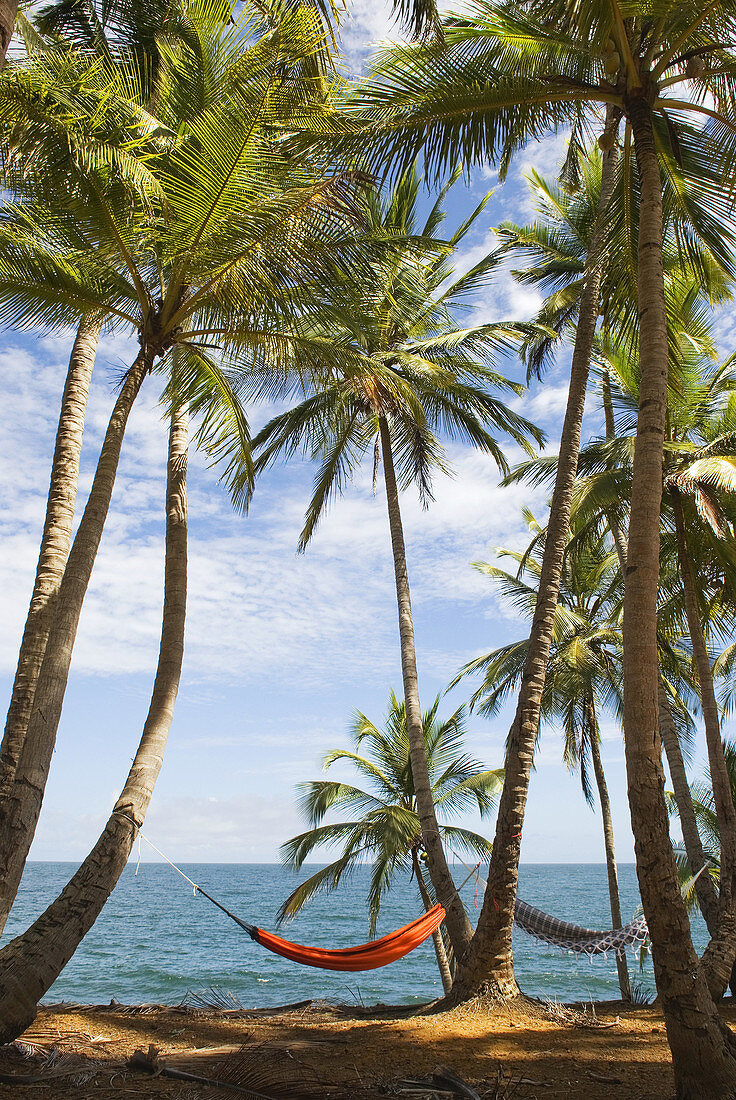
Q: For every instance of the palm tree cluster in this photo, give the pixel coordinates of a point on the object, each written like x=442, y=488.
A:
x=197, y=175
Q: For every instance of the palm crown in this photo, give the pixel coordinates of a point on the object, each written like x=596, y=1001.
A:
x=387, y=829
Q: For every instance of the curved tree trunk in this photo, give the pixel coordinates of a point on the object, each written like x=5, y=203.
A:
x=54, y=550
x=702, y=1057
x=439, y=947
x=19, y=813
x=8, y=12
x=488, y=966
x=33, y=961
x=719, y=955
x=611, y=869
x=704, y=888
x=458, y=925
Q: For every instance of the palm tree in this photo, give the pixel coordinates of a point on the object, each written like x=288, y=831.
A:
x=386, y=828
x=413, y=371
x=8, y=12
x=584, y=667
x=554, y=248
x=27, y=172
x=32, y=962
x=505, y=76
x=247, y=235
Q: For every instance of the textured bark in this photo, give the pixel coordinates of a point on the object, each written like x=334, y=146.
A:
x=33, y=961
x=608, y=843
x=701, y=1046
x=706, y=891
x=443, y=962
x=704, y=888
x=19, y=813
x=720, y=953
x=8, y=12
x=54, y=550
x=488, y=965
x=619, y=539
x=458, y=925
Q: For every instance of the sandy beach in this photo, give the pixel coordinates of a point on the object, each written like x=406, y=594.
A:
x=525, y=1050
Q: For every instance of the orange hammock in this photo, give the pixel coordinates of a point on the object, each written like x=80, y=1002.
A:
x=368, y=956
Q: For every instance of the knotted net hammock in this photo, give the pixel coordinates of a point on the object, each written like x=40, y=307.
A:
x=573, y=937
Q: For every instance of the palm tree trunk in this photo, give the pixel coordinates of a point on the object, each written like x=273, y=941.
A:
x=613, y=894
x=439, y=947
x=54, y=550
x=458, y=925
x=489, y=965
x=33, y=961
x=702, y=1060
x=19, y=813
x=719, y=955
x=704, y=888
x=8, y=12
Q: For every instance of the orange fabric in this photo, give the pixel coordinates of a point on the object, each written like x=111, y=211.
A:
x=368, y=956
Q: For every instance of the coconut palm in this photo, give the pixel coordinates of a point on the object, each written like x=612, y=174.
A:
x=386, y=829
x=27, y=172
x=505, y=76
x=553, y=248
x=246, y=238
x=414, y=372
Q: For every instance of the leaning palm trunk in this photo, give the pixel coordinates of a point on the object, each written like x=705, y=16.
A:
x=719, y=955
x=19, y=813
x=704, y=888
x=611, y=869
x=31, y=963
x=458, y=925
x=54, y=550
x=489, y=964
x=443, y=962
x=701, y=1052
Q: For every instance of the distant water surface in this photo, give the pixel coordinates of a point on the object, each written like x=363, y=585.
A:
x=154, y=940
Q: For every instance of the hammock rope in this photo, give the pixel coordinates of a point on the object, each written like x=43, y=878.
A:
x=366, y=956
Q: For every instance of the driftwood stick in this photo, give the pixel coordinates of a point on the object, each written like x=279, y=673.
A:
x=150, y=1062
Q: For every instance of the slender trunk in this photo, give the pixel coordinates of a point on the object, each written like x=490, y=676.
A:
x=8, y=12
x=489, y=966
x=458, y=925
x=703, y=1063
x=600, y=779
x=719, y=955
x=33, y=961
x=619, y=539
x=19, y=813
x=439, y=947
x=54, y=550
x=704, y=888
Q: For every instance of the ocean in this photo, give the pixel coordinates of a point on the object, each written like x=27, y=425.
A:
x=155, y=941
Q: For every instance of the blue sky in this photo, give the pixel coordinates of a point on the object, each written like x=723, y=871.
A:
x=281, y=648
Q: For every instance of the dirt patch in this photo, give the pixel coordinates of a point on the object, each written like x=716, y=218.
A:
x=522, y=1050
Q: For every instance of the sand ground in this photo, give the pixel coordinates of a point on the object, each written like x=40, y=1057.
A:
x=522, y=1051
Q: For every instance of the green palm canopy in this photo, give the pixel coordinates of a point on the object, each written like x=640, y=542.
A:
x=384, y=828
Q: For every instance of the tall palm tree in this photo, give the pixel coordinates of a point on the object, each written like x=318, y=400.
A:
x=553, y=248
x=583, y=672
x=387, y=829
x=505, y=76
x=247, y=236
x=414, y=371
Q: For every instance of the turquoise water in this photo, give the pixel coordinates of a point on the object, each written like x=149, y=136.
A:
x=154, y=940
